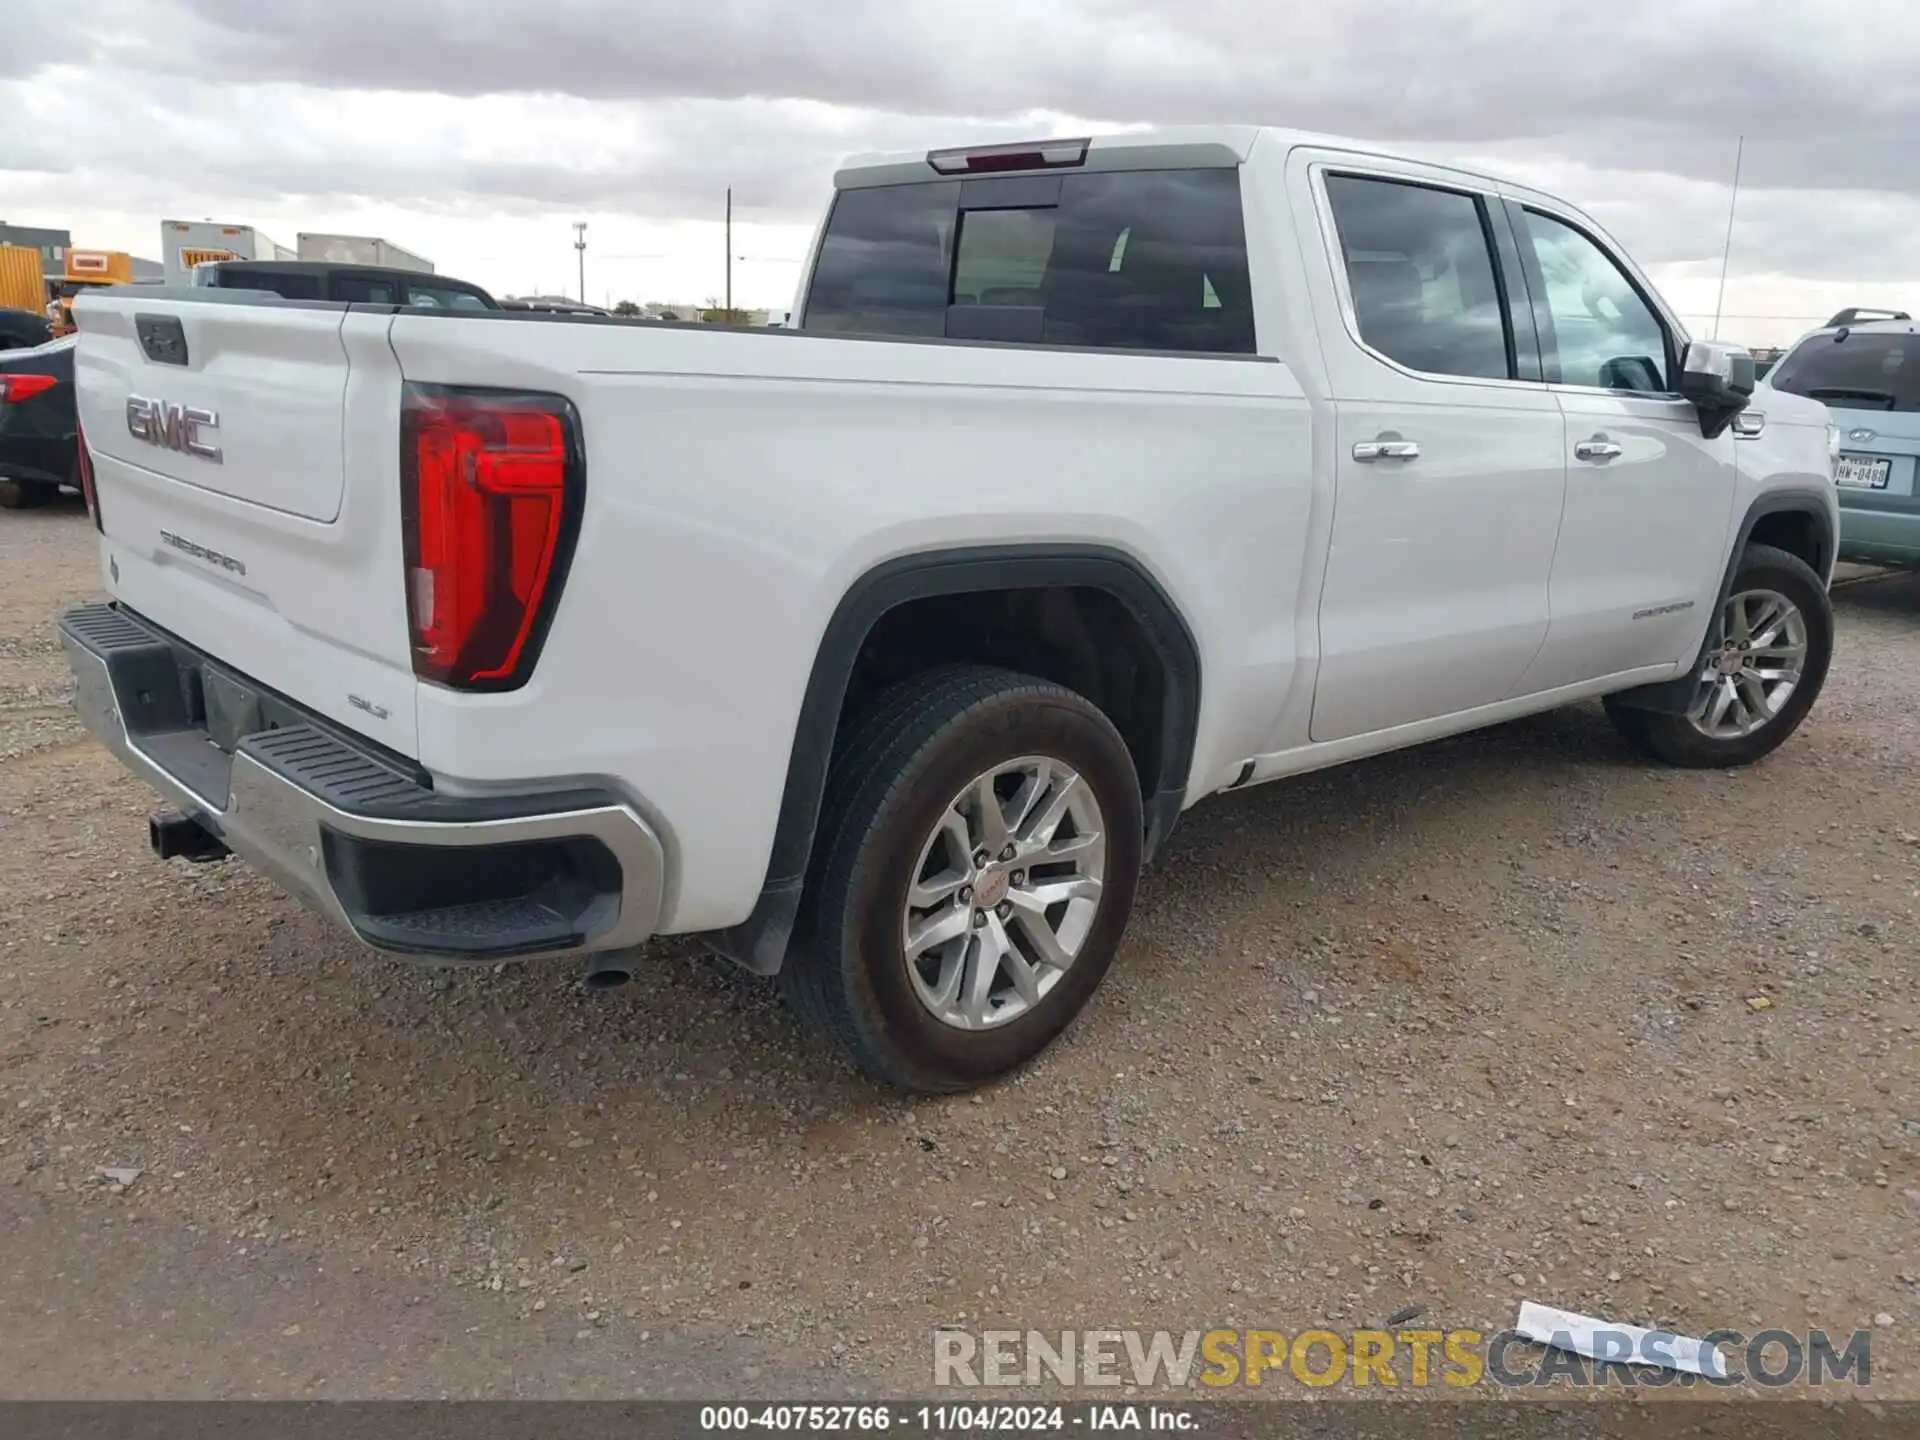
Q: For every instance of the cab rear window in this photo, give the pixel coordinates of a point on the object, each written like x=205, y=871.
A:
x=1854, y=370
x=286, y=286
x=1149, y=260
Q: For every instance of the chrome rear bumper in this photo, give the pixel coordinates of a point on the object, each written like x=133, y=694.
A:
x=351, y=830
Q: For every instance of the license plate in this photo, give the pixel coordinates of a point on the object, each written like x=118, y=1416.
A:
x=1861, y=473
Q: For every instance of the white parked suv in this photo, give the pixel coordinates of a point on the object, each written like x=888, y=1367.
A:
x=1091, y=478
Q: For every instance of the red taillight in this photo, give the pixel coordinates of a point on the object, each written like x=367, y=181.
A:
x=986, y=159
x=491, y=488
x=86, y=478
x=15, y=388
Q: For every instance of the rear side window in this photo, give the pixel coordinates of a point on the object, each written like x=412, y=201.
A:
x=443, y=297
x=1857, y=371
x=1151, y=260
x=1419, y=266
x=286, y=286
x=363, y=290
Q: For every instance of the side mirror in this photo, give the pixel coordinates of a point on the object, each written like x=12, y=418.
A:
x=1633, y=372
x=1718, y=379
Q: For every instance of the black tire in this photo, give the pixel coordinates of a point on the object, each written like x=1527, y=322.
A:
x=25, y=494
x=1676, y=740
x=898, y=769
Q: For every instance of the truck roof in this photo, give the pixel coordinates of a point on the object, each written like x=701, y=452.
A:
x=1155, y=147
x=322, y=270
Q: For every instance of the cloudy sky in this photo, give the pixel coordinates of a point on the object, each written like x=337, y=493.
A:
x=476, y=131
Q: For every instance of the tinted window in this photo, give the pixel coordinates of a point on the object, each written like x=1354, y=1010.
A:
x=1151, y=260
x=22, y=329
x=1873, y=371
x=443, y=297
x=288, y=287
x=884, y=261
x=1420, y=270
x=1597, y=329
x=1003, y=256
x=362, y=290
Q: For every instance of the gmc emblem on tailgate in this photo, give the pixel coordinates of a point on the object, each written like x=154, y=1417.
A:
x=173, y=427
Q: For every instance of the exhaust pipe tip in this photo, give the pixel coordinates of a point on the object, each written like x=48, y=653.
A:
x=607, y=974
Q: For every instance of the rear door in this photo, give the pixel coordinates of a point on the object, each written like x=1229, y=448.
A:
x=1450, y=459
x=246, y=462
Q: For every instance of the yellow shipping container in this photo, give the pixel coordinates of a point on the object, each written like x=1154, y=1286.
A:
x=99, y=267
x=85, y=269
x=23, y=284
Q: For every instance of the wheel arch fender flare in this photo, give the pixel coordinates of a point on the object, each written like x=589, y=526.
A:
x=1673, y=697
x=759, y=943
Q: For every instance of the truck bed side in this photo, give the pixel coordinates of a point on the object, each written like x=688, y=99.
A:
x=741, y=483
x=738, y=484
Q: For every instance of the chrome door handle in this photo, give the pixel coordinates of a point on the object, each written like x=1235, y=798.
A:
x=1595, y=450
x=1386, y=450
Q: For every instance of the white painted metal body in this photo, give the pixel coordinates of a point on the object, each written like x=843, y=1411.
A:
x=738, y=483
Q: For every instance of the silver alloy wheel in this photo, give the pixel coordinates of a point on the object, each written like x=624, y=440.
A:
x=1753, y=666
x=1004, y=893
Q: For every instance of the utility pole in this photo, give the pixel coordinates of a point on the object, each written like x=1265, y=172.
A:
x=1733, y=205
x=580, y=244
x=729, y=316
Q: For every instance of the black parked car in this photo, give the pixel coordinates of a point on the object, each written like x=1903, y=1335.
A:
x=22, y=329
x=356, y=284
x=39, y=445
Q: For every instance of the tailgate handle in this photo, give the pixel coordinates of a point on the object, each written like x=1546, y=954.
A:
x=162, y=338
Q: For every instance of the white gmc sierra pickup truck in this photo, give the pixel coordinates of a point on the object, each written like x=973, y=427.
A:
x=1093, y=478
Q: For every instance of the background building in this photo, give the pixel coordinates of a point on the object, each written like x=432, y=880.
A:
x=52, y=244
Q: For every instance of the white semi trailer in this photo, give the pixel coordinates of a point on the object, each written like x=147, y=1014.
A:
x=360, y=250
x=187, y=243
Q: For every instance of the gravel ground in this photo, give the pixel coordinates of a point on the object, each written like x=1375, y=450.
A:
x=1449, y=1029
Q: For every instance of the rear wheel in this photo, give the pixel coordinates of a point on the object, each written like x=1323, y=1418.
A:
x=1766, y=660
x=25, y=494
x=978, y=855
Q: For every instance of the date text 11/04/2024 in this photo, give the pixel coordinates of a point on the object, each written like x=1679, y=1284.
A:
x=963, y=1418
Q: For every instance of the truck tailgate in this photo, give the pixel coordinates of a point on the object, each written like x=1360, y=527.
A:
x=246, y=462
